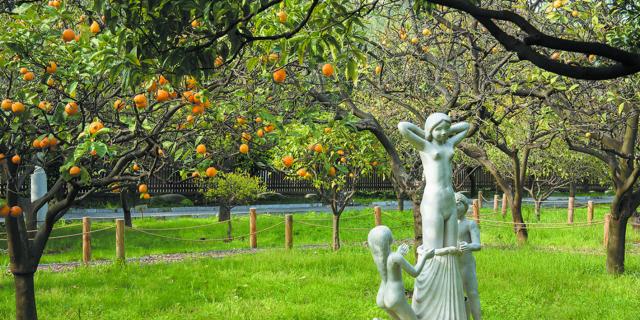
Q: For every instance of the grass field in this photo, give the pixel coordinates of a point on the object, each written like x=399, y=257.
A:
x=558, y=275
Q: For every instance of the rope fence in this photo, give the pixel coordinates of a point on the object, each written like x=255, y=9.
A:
x=317, y=223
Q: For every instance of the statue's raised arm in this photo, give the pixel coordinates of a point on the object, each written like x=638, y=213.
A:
x=413, y=133
x=458, y=131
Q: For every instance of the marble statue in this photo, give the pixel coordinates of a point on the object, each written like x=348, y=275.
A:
x=468, y=241
x=391, y=296
x=438, y=290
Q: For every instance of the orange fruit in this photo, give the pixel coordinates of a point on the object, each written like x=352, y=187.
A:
x=343, y=160
x=260, y=133
x=135, y=167
x=309, y=175
x=162, y=80
x=6, y=104
x=341, y=152
x=2, y=156
x=302, y=172
x=201, y=149
x=4, y=211
x=327, y=69
x=190, y=118
x=282, y=16
x=143, y=188
x=241, y=120
x=51, y=68
x=71, y=108
x=44, y=106
x=54, y=3
x=152, y=87
x=378, y=69
x=146, y=196
x=279, y=75
x=95, y=127
x=36, y=143
x=17, y=107
x=74, y=171
x=95, y=27
x=162, y=95
x=317, y=148
x=188, y=95
x=258, y=120
x=197, y=98
x=191, y=83
x=244, y=148
x=211, y=172
x=414, y=40
x=119, y=105
x=246, y=136
x=24, y=70
x=199, y=109
x=140, y=100
x=218, y=62
x=53, y=142
x=16, y=159
x=195, y=174
x=28, y=76
x=68, y=35
x=332, y=172
x=269, y=128
x=15, y=211
x=50, y=82
x=44, y=142
x=195, y=23
x=592, y=58
x=555, y=56
x=287, y=161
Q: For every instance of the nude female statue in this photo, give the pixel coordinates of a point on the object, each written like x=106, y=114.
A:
x=436, y=145
x=468, y=241
x=391, y=296
x=438, y=292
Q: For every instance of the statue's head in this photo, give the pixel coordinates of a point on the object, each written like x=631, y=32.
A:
x=437, y=127
x=462, y=204
x=380, y=239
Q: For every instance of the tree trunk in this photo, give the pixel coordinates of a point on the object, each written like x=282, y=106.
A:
x=400, y=202
x=520, y=228
x=25, y=297
x=417, y=223
x=616, y=244
x=572, y=189
x=126, y=209
x=472, y=181
x=538, y=204
x=335, y=243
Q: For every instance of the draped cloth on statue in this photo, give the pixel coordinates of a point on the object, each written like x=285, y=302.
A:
x=438, y=293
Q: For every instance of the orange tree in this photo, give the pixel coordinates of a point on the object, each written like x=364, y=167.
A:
x=331, y=154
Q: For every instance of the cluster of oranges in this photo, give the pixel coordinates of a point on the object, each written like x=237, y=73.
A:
x=14, y=211
x=16, y=159
x=45, y=142
x=15, y=107
x=26, y=74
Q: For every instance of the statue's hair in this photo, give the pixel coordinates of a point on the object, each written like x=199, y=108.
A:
x=460, y=197
x=380, y=239
x=432, y=121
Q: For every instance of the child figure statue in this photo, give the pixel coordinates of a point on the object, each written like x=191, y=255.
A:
x=391, y=295
x=469, y=241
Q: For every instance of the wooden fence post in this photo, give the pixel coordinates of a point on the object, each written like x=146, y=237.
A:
x=377, y=212
x=589, y=211
x=86, y=240
x=476, y=210
x=607, y=221
x=480, y=199
x=504, y=205
x=570, y=210
x=288, y=231
x=253, y=238
x=496, y=199
x=120, y=240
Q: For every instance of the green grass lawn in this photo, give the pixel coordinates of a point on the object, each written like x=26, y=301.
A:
x=559, y=274
x=319, y=284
